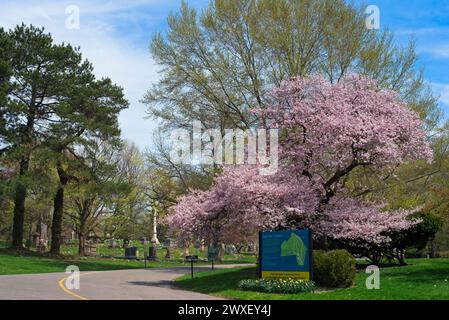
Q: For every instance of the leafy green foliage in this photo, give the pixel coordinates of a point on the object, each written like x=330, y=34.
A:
x=53, y=105
x=335, y=268
x=226, y=58
x=417, y=236
x=220, y=63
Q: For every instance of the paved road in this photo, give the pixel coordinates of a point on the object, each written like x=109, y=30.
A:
x=137, y=284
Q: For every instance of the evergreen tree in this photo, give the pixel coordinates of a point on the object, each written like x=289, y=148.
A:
x=53, y=102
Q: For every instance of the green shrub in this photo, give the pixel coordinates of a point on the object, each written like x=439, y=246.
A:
x=335, y=268
x=277, y=285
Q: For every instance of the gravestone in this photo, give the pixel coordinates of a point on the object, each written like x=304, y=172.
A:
x=90, y=249
x=125, y=243
x=112, y=244
x=212, y=253
x=152, y=253
x=131, y=253
x=169, y=243
x=143, y=240
x=67, y=240
x=251, y=247
x=230, y=249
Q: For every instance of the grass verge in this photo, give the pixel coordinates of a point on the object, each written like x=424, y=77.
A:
x=421, y=279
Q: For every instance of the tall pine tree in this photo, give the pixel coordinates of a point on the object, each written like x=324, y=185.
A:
x=53, y=102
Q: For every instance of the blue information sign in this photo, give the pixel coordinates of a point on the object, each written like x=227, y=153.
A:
x=286, y=254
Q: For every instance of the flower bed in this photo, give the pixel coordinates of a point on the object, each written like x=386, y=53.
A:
x=277, y=285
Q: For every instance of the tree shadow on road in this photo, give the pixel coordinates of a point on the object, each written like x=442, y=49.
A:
x=160, y=284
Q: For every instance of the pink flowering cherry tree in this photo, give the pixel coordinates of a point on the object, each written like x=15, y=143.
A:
x=327, y=131
x=239, y=204
x=332, y=129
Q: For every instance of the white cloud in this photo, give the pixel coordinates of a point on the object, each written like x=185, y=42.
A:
x=437, y=48
x=441, y=51
x=444, y=94
x=119, y=53
x=422, y=31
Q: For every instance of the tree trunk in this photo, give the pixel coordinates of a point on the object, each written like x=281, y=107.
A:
x=19, y=207
x=58, y=212
x=81, y=244
x=30, y=235
x=82, y=236
x=19, y=216
x=168, y=253
x=433, y=248
x=56, y=226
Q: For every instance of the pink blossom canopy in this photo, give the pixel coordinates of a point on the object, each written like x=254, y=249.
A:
x=327, y=131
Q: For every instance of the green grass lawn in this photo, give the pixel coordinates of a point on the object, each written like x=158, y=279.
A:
x=421, y=279
x=25, y=264
x=71, y=250
x=177, y=254
x=112, y=259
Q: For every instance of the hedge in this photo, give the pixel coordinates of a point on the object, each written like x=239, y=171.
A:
x=335, y=268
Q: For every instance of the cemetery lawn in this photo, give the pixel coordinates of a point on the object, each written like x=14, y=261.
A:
x=11, y=263
x=30, y=262
x=421, y=279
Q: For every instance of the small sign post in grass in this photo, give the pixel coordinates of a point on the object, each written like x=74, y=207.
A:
x=212, y=254
x=192, y=260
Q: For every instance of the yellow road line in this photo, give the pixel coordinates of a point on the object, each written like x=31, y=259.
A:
x=63, y=287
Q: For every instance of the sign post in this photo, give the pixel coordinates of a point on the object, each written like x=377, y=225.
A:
x=286, y=254
x=191, y=259
x=212, y=254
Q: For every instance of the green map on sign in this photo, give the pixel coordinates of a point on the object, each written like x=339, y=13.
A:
x=294, y=247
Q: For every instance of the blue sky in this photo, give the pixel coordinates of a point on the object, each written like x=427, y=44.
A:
x=114, y=36
x=427, y=21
